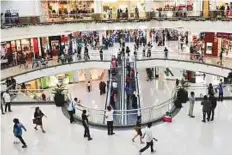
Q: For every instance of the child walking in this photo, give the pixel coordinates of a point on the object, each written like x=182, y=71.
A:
x=17, y=130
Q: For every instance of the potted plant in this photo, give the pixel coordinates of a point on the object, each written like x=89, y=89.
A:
x=59, y=97
x=182, y=94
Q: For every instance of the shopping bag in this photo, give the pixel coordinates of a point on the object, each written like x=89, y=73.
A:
x=167, y=119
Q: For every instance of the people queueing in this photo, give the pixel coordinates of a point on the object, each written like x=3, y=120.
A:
x=7, y=100
x=72, y=109
x=110, y=120
x=38, y=119
x=206, y=108
x=18, y=132
x=191, y=104
x=149, y=138
x=213, y=105
x=85, y=123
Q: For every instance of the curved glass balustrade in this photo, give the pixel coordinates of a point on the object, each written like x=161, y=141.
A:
x=227, y=62
x=148, y=114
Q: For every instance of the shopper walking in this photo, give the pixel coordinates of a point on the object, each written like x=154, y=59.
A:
x=166, y=52
x=149, y=139
x=17, y=130
x=101, y=54
x=85, y=123
x=13, y=83
x=38, y=116
x=2, y=103
x=213, y=105
x=110, y=120
x=191, y=104
x=88, y=86
x=220, y=92
x=210, y=89
x=71, y=109
x=206, y=108
x=7, y=101
x=138, y=129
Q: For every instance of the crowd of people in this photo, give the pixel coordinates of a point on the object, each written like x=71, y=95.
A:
x=209, y=102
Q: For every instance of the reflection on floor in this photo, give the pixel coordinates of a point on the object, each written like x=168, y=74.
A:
x=184, y=136
x=153, y=92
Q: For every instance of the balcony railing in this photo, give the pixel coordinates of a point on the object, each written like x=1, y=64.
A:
x=105, y=17
x=208, y=60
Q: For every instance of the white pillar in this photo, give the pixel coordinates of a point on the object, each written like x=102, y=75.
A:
x=97, y=6
x=148, y=6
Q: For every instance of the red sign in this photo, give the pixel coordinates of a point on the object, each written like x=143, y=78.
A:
x=225, y=35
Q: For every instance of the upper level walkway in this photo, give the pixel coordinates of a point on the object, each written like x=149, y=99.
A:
x=174, y=60
x=66, y=28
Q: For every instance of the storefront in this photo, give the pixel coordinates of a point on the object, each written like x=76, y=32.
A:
x=67, y=78
x=224, y=44
x=221, y=8
x=58, y=10
x=174, y=8
x=114, y=5
x=25, y=46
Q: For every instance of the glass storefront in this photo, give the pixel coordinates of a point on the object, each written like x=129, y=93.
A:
x=175, y=8
x=130, y=5
x=224, y=44
x=68, y=9
x=66, y=78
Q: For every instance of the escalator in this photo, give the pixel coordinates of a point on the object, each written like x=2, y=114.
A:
x=132, y=100
x=116, y=90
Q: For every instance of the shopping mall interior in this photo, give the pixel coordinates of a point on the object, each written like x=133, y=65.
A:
x=90, y=77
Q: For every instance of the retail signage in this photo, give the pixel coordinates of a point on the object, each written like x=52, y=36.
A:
x=224, y=35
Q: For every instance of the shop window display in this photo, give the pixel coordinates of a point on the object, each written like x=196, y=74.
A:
x=177, y=8
x=224, y=44
x=123, y=9
x=17, y=49
x=60, y=10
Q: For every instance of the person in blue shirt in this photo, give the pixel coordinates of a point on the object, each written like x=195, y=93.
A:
x=17, y=130
x=220, y=92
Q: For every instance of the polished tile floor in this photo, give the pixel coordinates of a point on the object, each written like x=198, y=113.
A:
x=184, y=136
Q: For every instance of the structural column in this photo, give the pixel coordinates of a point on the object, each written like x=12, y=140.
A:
x=97, y=9
x=148, y=8
x=205, y=8
x=39, y=46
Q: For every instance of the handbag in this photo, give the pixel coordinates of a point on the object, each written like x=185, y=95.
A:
x=34, y=121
